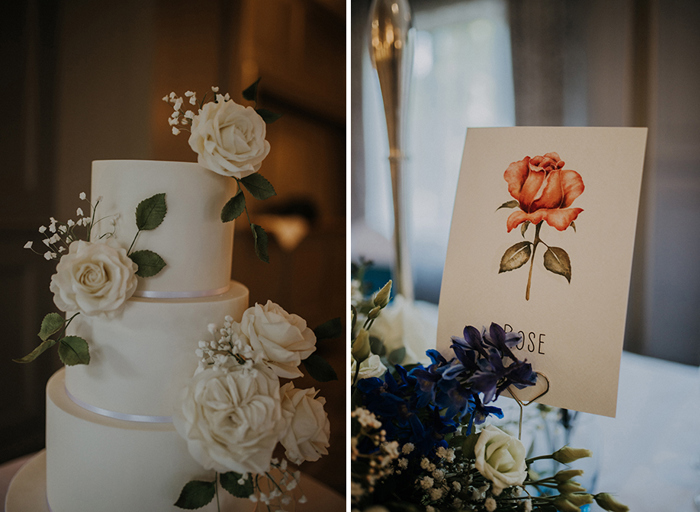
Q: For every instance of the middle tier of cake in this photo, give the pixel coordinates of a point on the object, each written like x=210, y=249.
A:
x=141, y=358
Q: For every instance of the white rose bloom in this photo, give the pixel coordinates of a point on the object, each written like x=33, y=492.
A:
x=229, y=138
x=282, y=339
x=94, y=278
x=233, y=420
x=500, y=458
x=309, y=430
x=370, y=367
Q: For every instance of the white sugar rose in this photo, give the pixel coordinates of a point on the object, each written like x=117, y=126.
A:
x=229, y=138
x=281, y=339
x=370, y=367
x=500, y=458
x=232, y=420
x=308, y=435
x=94, y=278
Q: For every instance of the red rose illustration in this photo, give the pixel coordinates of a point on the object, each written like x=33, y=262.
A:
x=544, y=191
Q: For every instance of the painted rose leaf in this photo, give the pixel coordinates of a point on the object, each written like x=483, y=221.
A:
x=543, y=192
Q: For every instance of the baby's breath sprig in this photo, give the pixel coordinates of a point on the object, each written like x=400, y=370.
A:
x=59, y=235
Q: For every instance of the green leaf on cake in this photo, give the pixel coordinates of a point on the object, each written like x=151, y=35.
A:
x=319, y=368
x=229, y=481
x=51, y=324
x=149, y=262
x=45, y=345
x=330, y=329
x=73, y=350
x=251, y=92
x=267, y=115
x=258, y=186
x=233, y=209
x=260, y=243
x=151, y=212
x=196, y=494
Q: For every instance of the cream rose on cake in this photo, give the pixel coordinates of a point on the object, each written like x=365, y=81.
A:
x=500, y=458
x=232, y=420
x=309, y=430
x=94, y=278
x=281, y=339
x=229, y=138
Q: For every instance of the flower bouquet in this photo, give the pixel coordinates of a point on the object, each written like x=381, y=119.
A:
x=420, y=436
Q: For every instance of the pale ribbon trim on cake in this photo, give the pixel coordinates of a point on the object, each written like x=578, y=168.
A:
x=119, y=415
x=181, y=295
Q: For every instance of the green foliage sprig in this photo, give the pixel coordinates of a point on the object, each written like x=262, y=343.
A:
x=256, y=185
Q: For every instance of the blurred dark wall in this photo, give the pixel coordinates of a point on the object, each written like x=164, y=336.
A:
x=83, y=80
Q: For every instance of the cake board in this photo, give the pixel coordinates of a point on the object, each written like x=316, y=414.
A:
x=27, y=492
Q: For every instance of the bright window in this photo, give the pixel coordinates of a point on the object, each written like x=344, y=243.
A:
x=462, y=76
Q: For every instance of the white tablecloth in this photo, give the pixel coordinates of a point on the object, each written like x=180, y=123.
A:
x=651, y=451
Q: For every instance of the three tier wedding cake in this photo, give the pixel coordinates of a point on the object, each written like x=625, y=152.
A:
x=172, y=387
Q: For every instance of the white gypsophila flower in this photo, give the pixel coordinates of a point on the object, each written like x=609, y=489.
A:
x=79, y=212
x=366, y=418
x=232, y=420
x=282, y=339
x=94, y=278
x=229, y=138
x=407, y=448
x=426, y=482
x=308, y=435
x=500, y=458
x=42, y=229
x=214, y=89
x=370, y=367
x=28, y=245
x=435, y=494
x=490, y=504
x=48, y=255
x=83, y=196
x=176, y=131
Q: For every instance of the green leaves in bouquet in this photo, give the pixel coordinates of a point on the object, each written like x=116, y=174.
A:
x=319, y=368
x=149, y=262
x=509, y=204
x=196, y=494
x=251, y=92
x=229, y=481
x=267, y=115
x=397, y=356
x=557, y=260
x=515, y=256
x=149, y=215
x=151, y=212
x=72, y=349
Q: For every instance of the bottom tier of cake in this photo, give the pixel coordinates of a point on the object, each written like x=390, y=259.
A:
x=98, y=463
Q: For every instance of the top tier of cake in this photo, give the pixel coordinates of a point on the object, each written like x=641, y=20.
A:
x=196, y=246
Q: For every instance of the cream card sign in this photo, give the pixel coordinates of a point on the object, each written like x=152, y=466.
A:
x=541, y=243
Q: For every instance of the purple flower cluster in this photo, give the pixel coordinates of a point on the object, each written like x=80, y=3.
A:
x=484, y=365
x=425, y=403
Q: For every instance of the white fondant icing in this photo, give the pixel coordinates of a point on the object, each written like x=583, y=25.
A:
x=98, y=463
x=194, y=243
x=141, y=359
